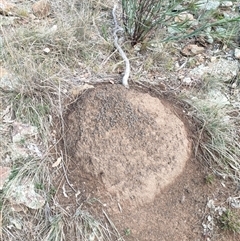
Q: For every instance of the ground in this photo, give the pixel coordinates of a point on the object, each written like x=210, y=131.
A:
x=84, y=158
x=130, y=153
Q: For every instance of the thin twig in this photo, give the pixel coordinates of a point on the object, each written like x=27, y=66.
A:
x=117, y=28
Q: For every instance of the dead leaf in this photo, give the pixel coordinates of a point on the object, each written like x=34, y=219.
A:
x=57, y=162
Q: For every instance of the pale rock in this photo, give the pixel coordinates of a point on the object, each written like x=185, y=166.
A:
x=237, y=53
x=217, y=98
x=4, y=175
x=22, y=131
x=7, y=80
x=220, y=69
x=21, y=134
x=192, y=49
x=227, y=4
x=25, y=194
x=208, y=4
x=17, y=223
x=187, y=81
x=223, y=69
x=41, y=8
x=18, y=151
x=46, y=50
x=184, y=17
x=213, y=58
x=209, y=39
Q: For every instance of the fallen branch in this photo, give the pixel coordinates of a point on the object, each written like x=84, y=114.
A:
x=117, y=28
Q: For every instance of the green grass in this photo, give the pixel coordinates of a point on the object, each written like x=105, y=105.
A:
x=209, y=179
x=141, y=17
x=229, y=221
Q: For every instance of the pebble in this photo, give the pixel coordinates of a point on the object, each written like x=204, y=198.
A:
x=41, y=9
x=237, y=53
x=187, y=81
x=208, y=4
x=227, y=4
x=192, y=49
x=184, y=17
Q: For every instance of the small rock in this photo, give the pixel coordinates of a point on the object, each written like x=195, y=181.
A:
x=18, y=152
x=227, y=4
x=25, y=194
x=219, y=69
x=213, y=58
x=191, y=50
x=208, y=4
x=7, y=80
x=17, y=223
x=7, y=8
x=237, y=53
x=4, y=175
x=46, y=50
x=41, y=8
x=217, y=98
x=22, y=131
x=18, y=208
x=187, y=81
x=184, y=17
x=209, y=39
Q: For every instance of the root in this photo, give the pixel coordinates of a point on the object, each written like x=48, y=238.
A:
x=117, y=28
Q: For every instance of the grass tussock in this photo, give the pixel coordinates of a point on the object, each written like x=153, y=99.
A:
x=229, y=221
x=217, y=134
x=141, y=17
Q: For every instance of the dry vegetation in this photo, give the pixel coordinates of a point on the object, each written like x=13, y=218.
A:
x=48, y=59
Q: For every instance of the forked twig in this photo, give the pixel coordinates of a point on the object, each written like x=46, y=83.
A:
x=117, y=28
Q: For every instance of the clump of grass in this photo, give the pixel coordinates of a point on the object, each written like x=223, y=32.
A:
x=55, y=231
x=217, y=132
x=229, y=221
x=82, y=226
x=209, y=179
x=43, y=58
x=140, y=17
x=36, y=171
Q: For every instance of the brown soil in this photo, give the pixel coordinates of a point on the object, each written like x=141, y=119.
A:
x=131, y=152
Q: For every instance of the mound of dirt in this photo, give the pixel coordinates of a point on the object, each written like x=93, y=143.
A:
x=127, y=143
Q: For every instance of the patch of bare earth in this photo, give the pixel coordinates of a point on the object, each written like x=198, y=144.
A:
x=130, y=154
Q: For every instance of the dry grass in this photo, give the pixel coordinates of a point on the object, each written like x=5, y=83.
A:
x=217, y=136
x=50, y=57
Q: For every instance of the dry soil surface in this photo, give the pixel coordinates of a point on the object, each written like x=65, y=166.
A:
x=130, y=154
